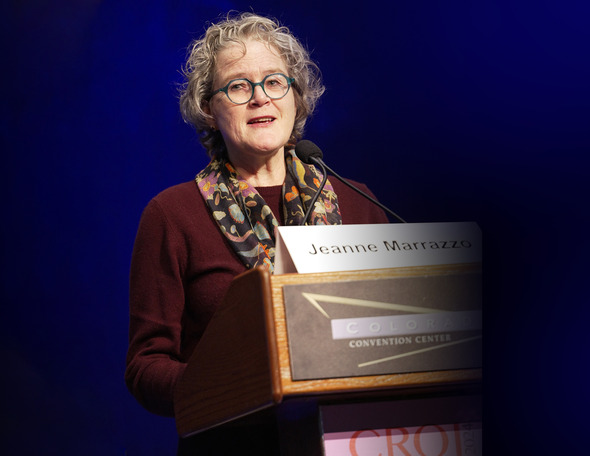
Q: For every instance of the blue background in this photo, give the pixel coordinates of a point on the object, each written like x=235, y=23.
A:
x=449, y=110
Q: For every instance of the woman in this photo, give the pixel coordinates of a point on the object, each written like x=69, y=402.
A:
x=250, y=87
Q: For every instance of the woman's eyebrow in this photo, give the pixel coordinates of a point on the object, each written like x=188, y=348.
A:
x=242, y=75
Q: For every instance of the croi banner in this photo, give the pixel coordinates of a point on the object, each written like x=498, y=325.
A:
x=433, y=440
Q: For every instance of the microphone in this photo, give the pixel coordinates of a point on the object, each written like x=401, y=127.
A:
x=310, y=153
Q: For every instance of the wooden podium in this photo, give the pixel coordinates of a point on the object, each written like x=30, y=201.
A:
x=242, y=366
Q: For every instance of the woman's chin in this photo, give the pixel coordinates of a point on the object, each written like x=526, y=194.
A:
x=268, y=149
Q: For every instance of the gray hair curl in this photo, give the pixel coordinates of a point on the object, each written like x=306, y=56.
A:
x=200, y=67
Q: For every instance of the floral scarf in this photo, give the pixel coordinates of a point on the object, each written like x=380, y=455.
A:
x=246, y=220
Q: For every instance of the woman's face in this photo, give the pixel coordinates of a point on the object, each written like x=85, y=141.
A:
x=260, y=128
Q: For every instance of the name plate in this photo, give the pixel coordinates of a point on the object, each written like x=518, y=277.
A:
x=330, y=248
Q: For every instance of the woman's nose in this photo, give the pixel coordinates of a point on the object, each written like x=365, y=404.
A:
x=259, y=97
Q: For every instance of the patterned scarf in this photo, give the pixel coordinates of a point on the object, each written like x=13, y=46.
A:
x=246, y=220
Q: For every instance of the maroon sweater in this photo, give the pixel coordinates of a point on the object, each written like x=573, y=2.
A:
x=181, y=267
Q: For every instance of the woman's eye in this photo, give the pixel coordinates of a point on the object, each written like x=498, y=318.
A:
x=273, y=82
x=238, y=86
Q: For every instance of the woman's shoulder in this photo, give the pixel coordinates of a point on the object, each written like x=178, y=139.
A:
x=347, y=194
x=184, y=190
x=339, y=185
x=354, y=207
x=178, y=201
x=178, y=196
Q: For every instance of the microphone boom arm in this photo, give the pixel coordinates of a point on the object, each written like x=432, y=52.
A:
x=323, y=166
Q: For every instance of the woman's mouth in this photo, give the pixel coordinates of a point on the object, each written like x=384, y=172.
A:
x=261, y=120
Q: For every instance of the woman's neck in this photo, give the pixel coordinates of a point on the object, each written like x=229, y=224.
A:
x=265, y=174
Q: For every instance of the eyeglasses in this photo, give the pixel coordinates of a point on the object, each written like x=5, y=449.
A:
x=240, y=91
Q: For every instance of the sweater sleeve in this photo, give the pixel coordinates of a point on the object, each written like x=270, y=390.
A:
x=156, y=308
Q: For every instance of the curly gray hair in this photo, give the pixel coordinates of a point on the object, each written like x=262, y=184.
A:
x=200, y=67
